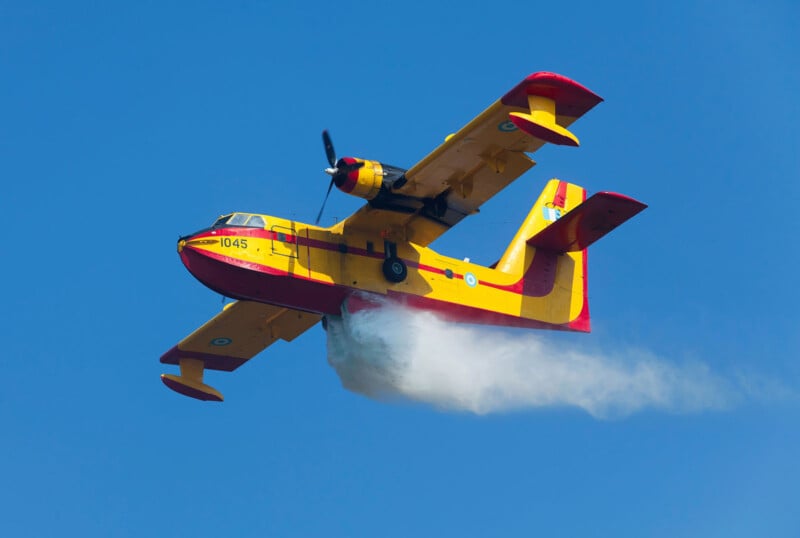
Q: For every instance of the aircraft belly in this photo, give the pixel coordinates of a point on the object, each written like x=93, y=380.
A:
x=251, y=281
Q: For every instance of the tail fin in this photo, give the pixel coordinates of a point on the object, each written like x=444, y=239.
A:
x=557, y=199
x=548, y=252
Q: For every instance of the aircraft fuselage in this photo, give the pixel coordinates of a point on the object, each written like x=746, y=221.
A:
x=320, y=270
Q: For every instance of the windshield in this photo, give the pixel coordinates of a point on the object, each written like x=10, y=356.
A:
x=220, y=221
x=241, y=219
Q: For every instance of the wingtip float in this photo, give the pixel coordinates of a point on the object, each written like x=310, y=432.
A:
x=553, y=102
x=287, y=276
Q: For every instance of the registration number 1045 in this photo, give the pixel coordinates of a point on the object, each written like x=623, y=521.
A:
x=231, y=242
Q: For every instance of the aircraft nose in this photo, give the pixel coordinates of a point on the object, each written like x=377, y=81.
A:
x=183, y=239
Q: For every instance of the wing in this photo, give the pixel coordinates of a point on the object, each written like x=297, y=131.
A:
x=478, y=161
x=228, y=340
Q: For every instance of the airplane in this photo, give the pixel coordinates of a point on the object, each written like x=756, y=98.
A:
x=287, y=276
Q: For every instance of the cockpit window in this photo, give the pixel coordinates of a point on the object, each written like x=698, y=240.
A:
x=241, y=219
x=238, y=219
x=256, y=222
x=222, y=220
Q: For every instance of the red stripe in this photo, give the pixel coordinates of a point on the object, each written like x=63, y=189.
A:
x=572, y=99
x=466, y=314
x=449, y=311
x=239, y=280
x=583, y=321
x=540, y=286
x=245, y=280
x=189, y=391
x=560, y=199
x=294, y=239
x=225, y=363
x=308, y=254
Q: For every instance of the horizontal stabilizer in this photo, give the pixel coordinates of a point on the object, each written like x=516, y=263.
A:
x=587, y=222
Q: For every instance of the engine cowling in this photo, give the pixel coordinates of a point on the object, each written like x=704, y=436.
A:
x=367, y=180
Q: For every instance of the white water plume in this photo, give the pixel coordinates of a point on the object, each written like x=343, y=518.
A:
x=394, y=353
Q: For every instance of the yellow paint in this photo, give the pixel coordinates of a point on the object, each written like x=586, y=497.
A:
x=192, y=369
x=248, y=327
x=240, y=331
x=370, y=179
x=359, y=272
x=470, y=167
x=543, y=113
x=515, y=256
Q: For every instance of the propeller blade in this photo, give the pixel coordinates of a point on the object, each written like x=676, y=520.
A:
x=321, y=209
x=329, y=151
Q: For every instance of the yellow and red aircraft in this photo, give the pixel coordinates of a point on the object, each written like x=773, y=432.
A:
x=287, y=275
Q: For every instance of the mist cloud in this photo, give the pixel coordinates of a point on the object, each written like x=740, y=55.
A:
x=391, y=353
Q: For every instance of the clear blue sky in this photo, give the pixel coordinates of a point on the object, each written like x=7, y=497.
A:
x=122, y=127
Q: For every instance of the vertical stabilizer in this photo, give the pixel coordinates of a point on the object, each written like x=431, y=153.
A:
x=557, y=198
x=555, y=281
x=548, y=253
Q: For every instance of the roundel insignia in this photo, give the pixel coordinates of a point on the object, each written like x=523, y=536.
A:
x=507, y=127
x=221, y=341
x=471, y=280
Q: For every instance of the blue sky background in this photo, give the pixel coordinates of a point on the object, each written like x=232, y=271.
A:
x=123, y=126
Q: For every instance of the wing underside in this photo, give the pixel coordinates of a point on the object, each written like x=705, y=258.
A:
x=238, y=333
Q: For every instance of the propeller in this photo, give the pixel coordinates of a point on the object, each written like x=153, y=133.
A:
x=330, y=153
x=336, y=169
x=321, y=209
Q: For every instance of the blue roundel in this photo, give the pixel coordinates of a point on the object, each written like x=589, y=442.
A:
x=471, y=280
x=507, y=127
x=221, y=341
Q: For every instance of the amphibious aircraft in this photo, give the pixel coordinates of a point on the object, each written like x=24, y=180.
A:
x=286, y=276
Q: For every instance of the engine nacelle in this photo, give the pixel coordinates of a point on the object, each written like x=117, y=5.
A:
x=367, y=180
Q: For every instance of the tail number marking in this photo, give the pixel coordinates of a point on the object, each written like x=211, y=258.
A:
x=235, y=243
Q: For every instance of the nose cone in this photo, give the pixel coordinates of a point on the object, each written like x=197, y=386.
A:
x=201, y=254
x=201, y=239
x=188, y=245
